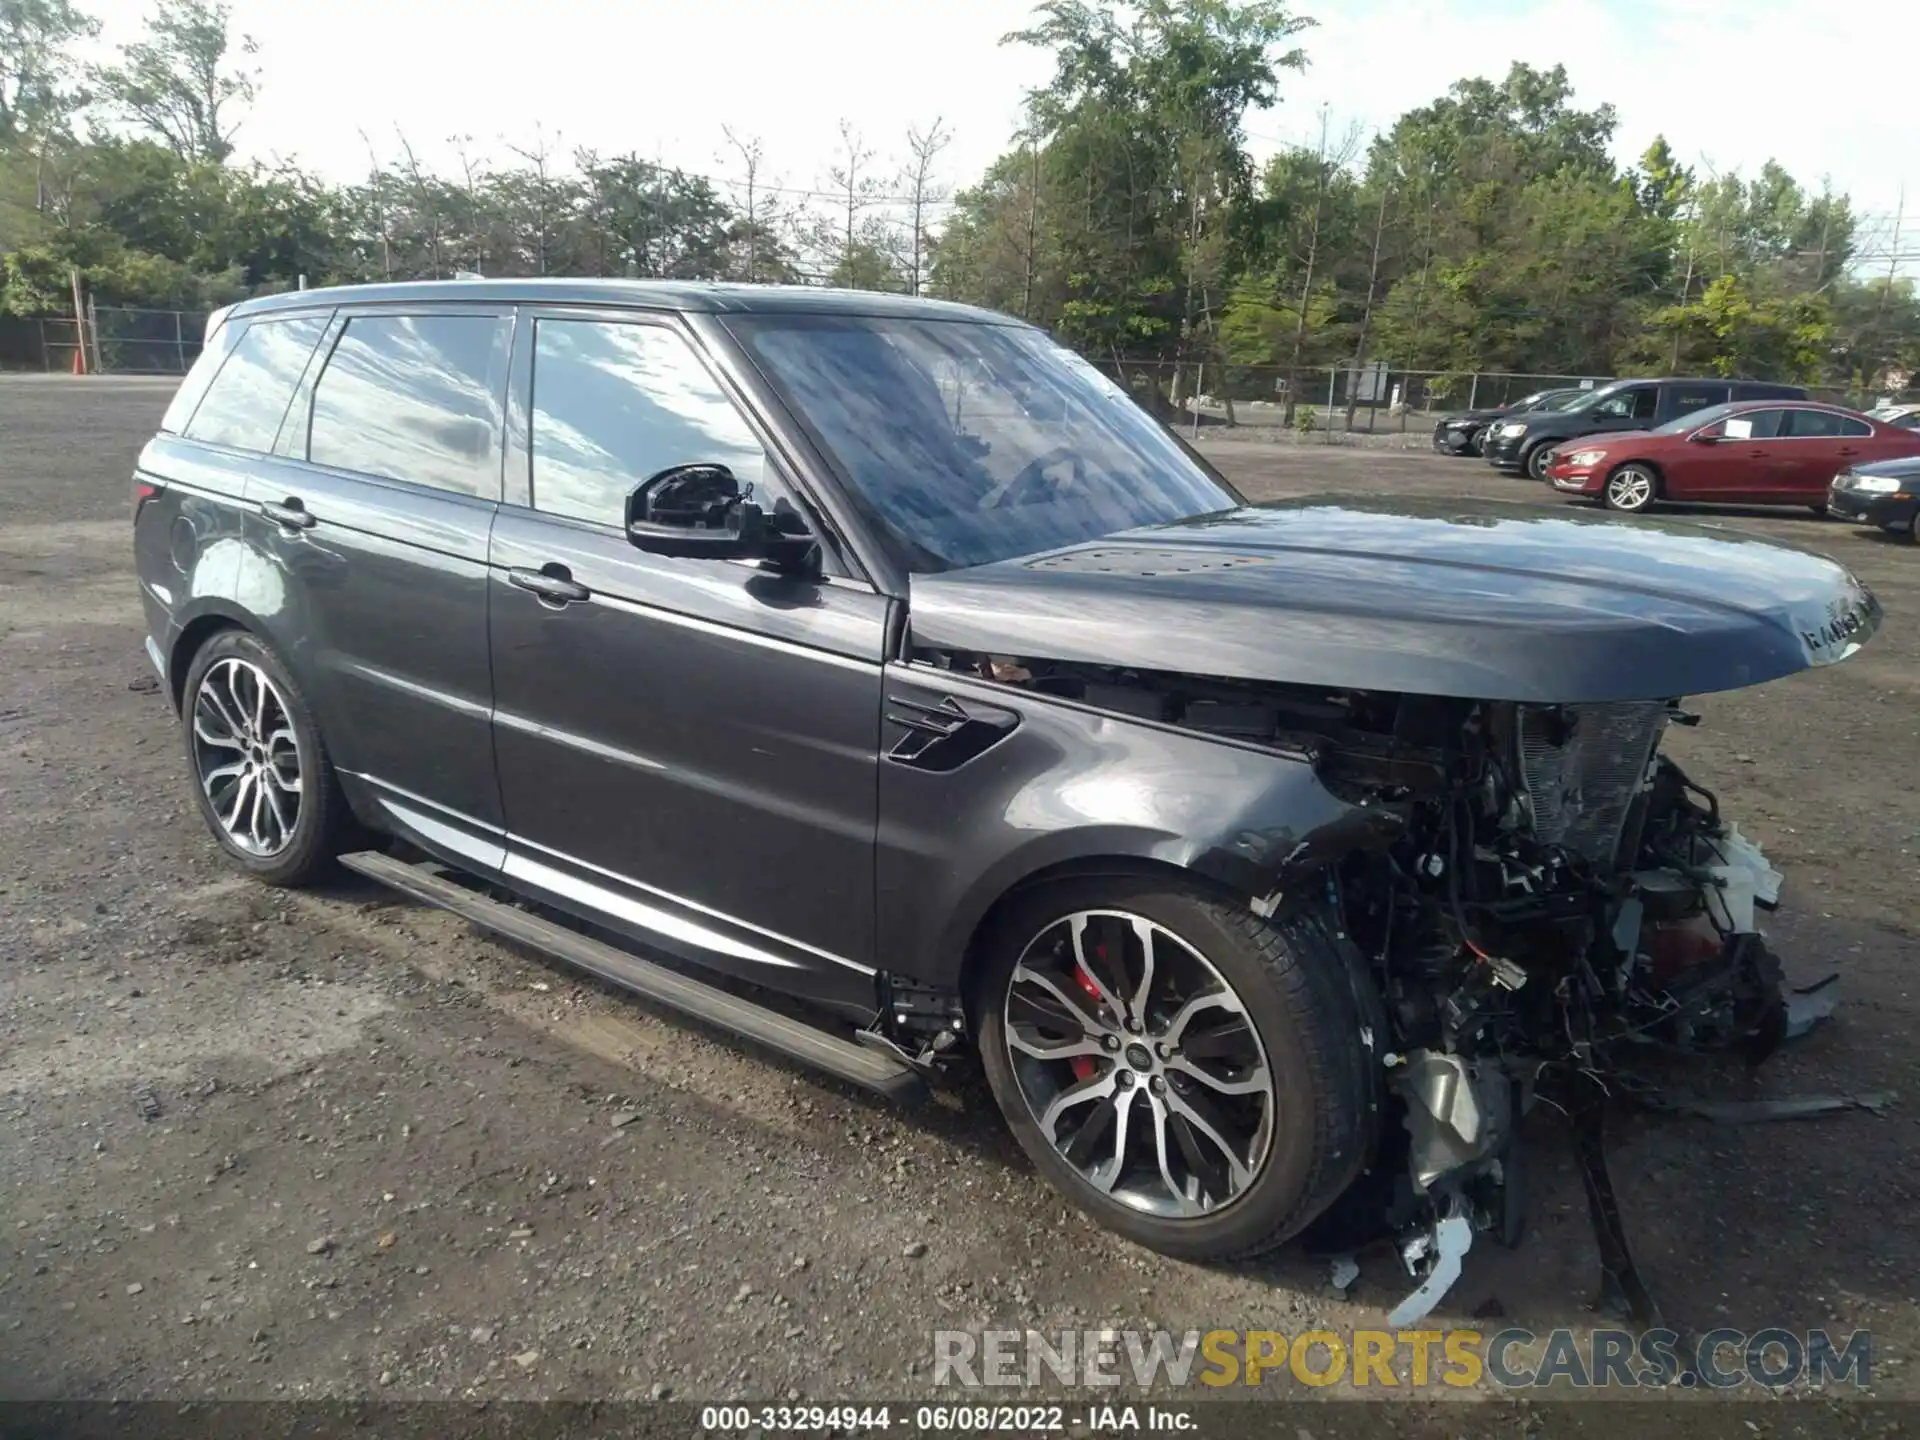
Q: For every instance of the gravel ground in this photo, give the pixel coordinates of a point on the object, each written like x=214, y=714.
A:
x=260, y=1144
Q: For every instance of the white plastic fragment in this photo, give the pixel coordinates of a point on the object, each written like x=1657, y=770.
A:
x=1451, y=1240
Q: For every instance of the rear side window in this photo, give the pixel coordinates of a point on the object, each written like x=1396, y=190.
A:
x=1822, y=424
x=414, y=398
x=249, y=395
x=615, y=403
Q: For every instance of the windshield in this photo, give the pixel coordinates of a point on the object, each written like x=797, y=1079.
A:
x=1561, y=399
x=972, y=442
x=1694, y=419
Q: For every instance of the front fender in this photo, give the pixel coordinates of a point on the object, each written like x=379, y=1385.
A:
x=1072, y=787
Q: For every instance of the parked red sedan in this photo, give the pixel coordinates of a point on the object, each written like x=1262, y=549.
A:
x=1754, y=452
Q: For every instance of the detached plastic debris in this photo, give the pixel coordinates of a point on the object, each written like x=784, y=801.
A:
x=1807, y=1007
x=1792, y=1107
x=1342, y=1273
x=1447, y=1243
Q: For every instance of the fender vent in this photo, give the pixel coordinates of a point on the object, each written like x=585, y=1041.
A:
x=945, y=734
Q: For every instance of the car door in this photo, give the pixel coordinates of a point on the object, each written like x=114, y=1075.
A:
x=687, y=748
x=1632, y=407
x=1684, y=397
x=1815, y=445
x=1737, y=462
x=373, y=521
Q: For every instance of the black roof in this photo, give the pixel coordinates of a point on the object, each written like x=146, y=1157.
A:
x=703, y=296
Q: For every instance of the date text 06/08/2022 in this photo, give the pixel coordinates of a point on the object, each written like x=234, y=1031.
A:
x=945, y=1419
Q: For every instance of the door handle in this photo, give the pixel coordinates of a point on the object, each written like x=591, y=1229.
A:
x=1848, y=450
x=554, y=584
x=289, y=513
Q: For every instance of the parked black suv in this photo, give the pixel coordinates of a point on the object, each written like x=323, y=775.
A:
x=884, y=654
x=1462, y=433
x=1523, y=443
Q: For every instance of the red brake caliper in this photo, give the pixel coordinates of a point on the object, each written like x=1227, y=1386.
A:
x=1083, y=1064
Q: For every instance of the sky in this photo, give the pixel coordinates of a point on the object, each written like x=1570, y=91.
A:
x=1731, y=83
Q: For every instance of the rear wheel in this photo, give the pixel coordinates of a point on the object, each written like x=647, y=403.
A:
x=261, y=774
x=1186, y=1073
x=1631, y=488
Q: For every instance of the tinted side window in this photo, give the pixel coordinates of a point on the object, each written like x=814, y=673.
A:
x=1638, y=403
x=248, y=398
x=615, y=403
x=1685, y=399
x=414, y=397
x=1753, y=425
x=1822, y=424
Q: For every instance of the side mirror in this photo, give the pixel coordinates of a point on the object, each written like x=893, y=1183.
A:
x=1707, y=436
x=699, y=512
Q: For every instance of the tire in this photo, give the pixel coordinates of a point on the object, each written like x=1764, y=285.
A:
x=1279, y=1008
x=1913, y=528
x=1819, y=511
x=1630, y=489
x=1534, y=462
x=280, y=831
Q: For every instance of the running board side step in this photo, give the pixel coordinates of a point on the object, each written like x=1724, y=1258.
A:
x=870, y=1069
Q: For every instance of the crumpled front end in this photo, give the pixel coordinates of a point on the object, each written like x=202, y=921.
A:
x=1563, y=906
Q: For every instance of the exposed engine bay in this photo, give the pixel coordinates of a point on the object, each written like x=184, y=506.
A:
x=1561, y=907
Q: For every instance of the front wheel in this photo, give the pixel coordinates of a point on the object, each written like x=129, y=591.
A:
x=1536, y=460
x=1188, y=1074
x=260, y=772
x=1913, y=528
x=1630, y=489
x=1819, y=511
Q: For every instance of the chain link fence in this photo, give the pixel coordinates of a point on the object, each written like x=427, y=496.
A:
x=115, y=341
x=1207, y=398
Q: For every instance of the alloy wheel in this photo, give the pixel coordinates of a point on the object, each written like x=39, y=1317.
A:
x=246, y=756
x=1139, y=1064
x=1630, y=489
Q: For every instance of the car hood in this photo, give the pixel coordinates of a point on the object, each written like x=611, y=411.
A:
x=1466, y=598
x=1904, y=468
x=1473, y=417
x=1609, y=439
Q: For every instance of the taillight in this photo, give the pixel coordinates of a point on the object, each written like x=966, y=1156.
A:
x=143, y=491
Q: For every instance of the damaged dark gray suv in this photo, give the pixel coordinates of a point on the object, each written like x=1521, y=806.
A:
x=882, y=655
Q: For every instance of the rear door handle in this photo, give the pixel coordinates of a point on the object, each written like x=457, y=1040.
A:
x=552, y=583
x=289, y=512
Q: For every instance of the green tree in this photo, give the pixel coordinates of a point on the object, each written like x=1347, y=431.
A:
x=176, y=82
x=37, y=70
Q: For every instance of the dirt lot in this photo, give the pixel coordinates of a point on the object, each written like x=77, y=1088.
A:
x=264, y=1144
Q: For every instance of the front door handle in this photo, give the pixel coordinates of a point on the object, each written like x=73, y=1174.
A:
x=289, y=512
x=554, y=584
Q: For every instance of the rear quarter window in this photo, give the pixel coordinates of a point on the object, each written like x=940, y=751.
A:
x=238, y=392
